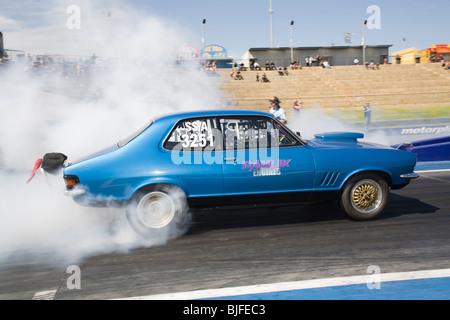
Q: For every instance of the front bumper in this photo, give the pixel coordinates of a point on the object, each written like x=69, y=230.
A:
x=410, y=176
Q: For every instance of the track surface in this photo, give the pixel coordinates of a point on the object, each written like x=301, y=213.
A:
x=242, y=246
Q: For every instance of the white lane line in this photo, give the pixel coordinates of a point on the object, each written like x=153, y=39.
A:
x=437, y=170
x=44, y=295
x=294, y=285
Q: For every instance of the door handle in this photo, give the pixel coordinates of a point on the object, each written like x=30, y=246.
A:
x=230, y=159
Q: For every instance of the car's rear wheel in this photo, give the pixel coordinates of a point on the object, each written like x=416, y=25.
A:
x=365, y=196
x=159, y=209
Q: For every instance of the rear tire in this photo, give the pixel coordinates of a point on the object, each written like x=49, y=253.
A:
x=159, y=210
x=365, y=196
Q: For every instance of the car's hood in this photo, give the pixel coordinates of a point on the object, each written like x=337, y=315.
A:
x=342, y=140
x=340, y=136
x=96, y=154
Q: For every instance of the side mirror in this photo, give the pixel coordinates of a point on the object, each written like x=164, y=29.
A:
x=298, y=133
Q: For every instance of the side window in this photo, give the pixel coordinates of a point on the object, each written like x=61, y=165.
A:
x=283, y=138
x=194, y=135
x=253, y=132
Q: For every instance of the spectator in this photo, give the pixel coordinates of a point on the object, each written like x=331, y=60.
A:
x=257, y=77
x=318, y=59
x=256, y=66
x=264, y=78
x=277, y=110
x=280, y=71
x=267, y=65
x=356, y=62
x=239, y=76
x=285, y=71
x=367, y=115
x=296, y=107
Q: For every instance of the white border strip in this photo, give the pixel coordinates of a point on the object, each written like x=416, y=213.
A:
x=294, y=285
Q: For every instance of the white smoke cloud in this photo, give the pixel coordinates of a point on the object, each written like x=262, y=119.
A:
x=136, y=82
x=311, y=121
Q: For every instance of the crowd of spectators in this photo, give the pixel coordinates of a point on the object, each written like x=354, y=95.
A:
x=372, y=65
x=59, y=74
x=236, y=71
x=296, y=65
x=55, y=64
x=440, y=59
x=236, y=74
x=263, y=78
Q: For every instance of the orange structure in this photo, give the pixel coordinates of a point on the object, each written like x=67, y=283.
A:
x=436, y=53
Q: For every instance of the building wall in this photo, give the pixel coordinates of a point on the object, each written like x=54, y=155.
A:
x=335, y=55
x=412, y=56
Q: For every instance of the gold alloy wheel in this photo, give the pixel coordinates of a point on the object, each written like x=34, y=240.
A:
x=366, y=196
x=156, y=210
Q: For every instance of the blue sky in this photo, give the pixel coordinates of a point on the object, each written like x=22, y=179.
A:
x=236, y=25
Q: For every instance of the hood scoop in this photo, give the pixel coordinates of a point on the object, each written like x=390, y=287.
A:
x=341, y=136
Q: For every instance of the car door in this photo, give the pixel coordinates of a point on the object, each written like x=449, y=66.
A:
x=196, y=155
x=261, y=156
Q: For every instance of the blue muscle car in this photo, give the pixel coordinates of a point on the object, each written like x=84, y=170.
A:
x=213, y=158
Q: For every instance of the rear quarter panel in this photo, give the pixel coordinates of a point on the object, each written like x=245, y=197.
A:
x=117, y=175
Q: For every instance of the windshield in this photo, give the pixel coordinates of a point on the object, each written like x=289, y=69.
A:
x=123, y=142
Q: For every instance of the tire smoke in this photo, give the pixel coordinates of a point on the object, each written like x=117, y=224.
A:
x=78, y=112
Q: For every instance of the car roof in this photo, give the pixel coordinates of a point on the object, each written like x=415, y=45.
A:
x=210, y=113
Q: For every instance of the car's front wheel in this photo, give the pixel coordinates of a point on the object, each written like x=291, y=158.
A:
x=159, y=209
x=365, y=196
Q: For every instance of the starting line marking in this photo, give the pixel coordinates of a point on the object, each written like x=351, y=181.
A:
x=293, y=285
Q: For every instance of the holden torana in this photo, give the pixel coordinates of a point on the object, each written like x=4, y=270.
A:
x=223, y=157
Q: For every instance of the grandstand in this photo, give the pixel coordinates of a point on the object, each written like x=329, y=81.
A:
x=407, y=90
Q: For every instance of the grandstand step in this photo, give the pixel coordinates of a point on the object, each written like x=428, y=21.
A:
x=342, y=86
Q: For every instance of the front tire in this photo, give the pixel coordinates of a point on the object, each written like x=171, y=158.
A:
x=159, y=210
x=365, y=196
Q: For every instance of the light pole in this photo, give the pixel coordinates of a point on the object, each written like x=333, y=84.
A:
x=271, y=23
x=364, y=42
x=292, y=43
x=203, y=33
